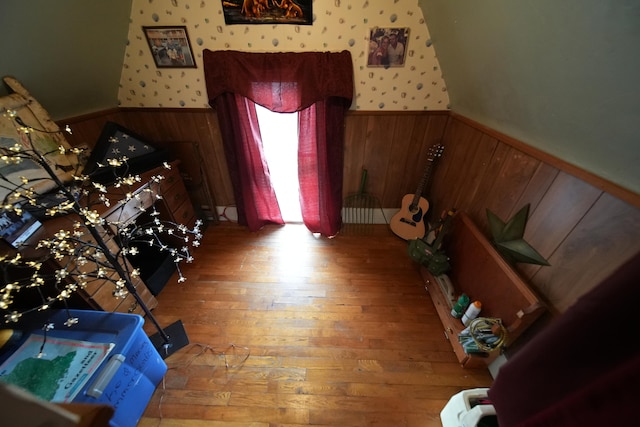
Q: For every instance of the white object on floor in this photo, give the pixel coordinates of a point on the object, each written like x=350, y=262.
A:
x=466, y=409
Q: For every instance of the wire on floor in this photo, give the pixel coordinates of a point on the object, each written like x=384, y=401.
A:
x=234, y=357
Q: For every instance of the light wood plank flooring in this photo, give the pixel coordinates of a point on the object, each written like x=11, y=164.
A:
x=338, y=332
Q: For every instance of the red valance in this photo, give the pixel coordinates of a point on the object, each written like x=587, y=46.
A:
x=262, y=77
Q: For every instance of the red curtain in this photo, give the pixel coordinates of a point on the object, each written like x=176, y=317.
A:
x=318, y=85
x=255, y=197
x=320, y=166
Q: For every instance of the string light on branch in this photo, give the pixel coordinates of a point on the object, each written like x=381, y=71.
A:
x=80, y=253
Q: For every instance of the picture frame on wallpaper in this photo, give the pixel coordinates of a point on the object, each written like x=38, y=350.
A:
x=297, y=12
x=170, y=46
x=387, y=47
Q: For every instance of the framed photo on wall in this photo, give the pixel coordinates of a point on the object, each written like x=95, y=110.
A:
x=267, y=12
x=387, y=47
x=170, y=46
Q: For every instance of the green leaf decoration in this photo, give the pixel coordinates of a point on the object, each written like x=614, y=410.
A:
x=514, y=228
x=496, y=226
x=508, y=238
x=520, y=251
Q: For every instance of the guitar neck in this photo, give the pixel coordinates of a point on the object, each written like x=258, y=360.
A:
x=423, y=182
x=435, y=151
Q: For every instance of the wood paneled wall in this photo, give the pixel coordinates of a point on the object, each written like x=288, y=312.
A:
x=191, y=135
x=393, y=148
x=585, y=226
x=576, y=223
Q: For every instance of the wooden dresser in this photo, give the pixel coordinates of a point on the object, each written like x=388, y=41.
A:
x=174, y=205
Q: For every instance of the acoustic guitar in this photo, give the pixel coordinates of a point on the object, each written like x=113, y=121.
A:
x=408, y=222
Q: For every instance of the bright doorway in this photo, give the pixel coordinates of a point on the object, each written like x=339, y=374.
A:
x=280, y=141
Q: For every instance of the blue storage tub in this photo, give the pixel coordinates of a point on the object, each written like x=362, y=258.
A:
x=129, y=375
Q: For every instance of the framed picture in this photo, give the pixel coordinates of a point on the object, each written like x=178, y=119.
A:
x=170, y=47
x=267, y=12
x=387, y=47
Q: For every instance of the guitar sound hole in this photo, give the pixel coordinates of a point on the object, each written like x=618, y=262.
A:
x=417, y=215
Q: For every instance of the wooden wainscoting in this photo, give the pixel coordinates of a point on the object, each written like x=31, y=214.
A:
x=575, y=221
x=391, y=146
x=191, y=135
x=586, y=227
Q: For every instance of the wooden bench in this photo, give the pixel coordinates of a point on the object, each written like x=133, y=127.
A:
x=478, y=270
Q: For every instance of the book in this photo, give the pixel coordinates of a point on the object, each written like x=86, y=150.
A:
x=52, y=368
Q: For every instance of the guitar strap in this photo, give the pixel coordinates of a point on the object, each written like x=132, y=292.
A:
x=442, y=227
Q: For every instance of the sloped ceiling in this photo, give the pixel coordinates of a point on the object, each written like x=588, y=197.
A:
x=560, y=76
x=67, y=53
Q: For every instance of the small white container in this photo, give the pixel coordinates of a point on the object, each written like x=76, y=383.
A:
x=471, y=313
x=459, y=411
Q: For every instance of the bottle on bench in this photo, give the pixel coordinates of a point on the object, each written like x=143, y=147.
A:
x=472, y=312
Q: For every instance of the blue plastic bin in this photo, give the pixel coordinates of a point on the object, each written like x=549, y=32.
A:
x=128, y=377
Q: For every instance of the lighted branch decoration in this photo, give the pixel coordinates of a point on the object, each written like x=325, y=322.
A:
x=82, y=253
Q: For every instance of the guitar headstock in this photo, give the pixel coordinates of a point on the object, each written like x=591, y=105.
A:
x=434, y=152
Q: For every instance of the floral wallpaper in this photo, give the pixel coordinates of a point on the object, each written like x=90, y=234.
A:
x=337, y=25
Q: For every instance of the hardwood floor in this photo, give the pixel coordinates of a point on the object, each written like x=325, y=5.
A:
x=338, y=332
